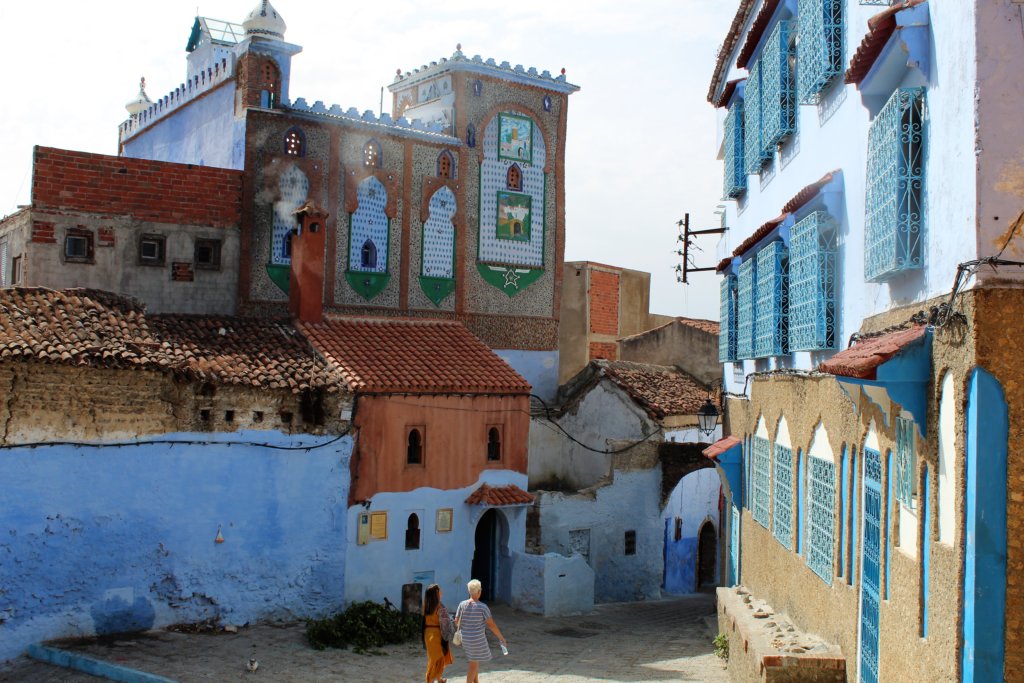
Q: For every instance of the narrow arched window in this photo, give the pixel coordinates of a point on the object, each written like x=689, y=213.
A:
x=445, y=167
x=295, y=143
x=269, y=85
x=368, y=256
x=412, y=533
x=414, y=450
x=514, y=178
x=372, y=154
x=471, y=135
x=493, y=444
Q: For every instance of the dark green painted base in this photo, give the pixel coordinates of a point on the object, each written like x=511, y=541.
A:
x=368, y=285
x=509, y=279
x=280, y=276
x=437, y=289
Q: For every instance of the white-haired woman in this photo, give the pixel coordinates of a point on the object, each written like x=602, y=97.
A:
x=471, y=617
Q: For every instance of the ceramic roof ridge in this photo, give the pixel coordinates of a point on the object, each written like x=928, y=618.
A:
x=458, y=57
x=681, y=319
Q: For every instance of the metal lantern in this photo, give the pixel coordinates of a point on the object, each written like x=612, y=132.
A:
x=707, y=417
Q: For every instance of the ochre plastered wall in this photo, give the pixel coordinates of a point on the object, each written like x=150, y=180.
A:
x=454, y=430
x=782, y=577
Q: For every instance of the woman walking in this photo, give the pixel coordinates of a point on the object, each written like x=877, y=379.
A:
x=437, y=632
x=471, y=617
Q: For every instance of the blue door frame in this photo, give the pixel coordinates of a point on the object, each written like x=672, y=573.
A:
x=871, y=547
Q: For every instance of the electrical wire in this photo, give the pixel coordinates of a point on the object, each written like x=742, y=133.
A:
x=175, y=442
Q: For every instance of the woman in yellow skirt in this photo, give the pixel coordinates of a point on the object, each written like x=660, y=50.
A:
x=437, y=632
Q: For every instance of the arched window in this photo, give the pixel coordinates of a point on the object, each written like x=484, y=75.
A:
x=514, y=178
x=445, y=165
x=493, y=444
x=471, y=135
x=295, y=143
x=372, y=154
x=412, y=533
x=414, y=452
x=368, y=256
x=268, y=85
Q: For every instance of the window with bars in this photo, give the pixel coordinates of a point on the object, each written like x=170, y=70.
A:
x=820, y=58
x=821, y=492
x=745, y=310
x=753, y=147
x=735, y=170
x=727, y=326
x=812, y=284
x=771, y=307
x=906, y=462
x=778, y=93
x=762, y=463
x=782, y=510
x=895, y=176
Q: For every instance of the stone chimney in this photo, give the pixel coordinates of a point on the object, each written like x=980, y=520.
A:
x=306, y=287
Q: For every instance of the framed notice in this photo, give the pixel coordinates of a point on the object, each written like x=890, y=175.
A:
x=444, y=520
x=378, y=525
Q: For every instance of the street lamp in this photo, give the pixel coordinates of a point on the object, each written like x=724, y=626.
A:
x=707, y=417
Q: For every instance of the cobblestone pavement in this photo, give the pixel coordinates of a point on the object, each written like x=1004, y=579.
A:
x=664, y=640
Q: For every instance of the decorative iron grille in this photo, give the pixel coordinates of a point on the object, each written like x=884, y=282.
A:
x=906, y=461
x=782, y=512
x=753, y=148
x=895, y=173
x=812, y=284
x=778, y=96
x=727, y=325
x=820, y=57
x=771, y=313
x=735, y=172
x=762, y=478
x=745, y=310
x=822, y=504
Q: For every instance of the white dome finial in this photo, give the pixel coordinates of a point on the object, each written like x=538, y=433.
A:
x=141, y=101
x=264, y=22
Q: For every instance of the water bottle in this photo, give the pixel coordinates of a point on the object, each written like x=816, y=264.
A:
x=504, y=650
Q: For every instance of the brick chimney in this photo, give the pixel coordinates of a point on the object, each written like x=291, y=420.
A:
x=306, y=287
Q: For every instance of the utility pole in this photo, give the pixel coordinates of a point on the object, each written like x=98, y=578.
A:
x=684, y=269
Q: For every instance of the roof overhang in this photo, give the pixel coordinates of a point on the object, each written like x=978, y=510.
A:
x=499, y=496
x=892, y=368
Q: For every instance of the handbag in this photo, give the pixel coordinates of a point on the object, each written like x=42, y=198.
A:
x=457, y=638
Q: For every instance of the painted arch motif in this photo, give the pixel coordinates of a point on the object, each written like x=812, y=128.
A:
x=293, y=190
x=437, y=272
x=512, y=208
x=368, y=240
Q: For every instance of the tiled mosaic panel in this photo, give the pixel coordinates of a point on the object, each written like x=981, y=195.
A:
x=369, y=222
x=439, y=236
x=493, y=177
x=294, y=188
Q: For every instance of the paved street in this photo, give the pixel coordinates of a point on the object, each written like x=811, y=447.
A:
x=667, y=640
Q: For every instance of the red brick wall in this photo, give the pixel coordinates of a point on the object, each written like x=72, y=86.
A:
x=155, y=191
x=605, y=350
x=604, y=302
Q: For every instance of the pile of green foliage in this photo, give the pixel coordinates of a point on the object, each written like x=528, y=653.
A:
x=365, y=626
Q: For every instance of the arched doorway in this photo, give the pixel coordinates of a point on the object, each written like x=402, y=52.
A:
x=485, y=553
x=707, y=556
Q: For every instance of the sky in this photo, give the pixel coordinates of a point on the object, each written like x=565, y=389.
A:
x=640, y=144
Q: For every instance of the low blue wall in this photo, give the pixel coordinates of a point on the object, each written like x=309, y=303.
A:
x=681, y=566
x=119, y=538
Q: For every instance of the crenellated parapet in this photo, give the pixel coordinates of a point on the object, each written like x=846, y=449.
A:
x=202, y=82
x=432, y=130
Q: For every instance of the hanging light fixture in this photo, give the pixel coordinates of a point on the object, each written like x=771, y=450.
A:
x=707, y=417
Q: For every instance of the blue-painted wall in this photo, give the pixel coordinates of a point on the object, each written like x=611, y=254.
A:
x=101, y=540
x=203, y=132
x=680, y=562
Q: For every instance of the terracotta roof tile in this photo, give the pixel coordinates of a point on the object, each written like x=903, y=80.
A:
x=757, y=29
x=412, y=356
x=727, y=92
x=759, y=234
x=499, y=495
x=808, y=193
x=720, y=446
x=709, y=326
x=93, y=328
x=863, y=358
x=880, y=30
x=739, y=20
x=661, y=390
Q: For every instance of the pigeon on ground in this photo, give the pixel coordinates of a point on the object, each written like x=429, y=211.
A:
x=252, y=664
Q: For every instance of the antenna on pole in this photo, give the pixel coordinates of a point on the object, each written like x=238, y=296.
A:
x=686, y=267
